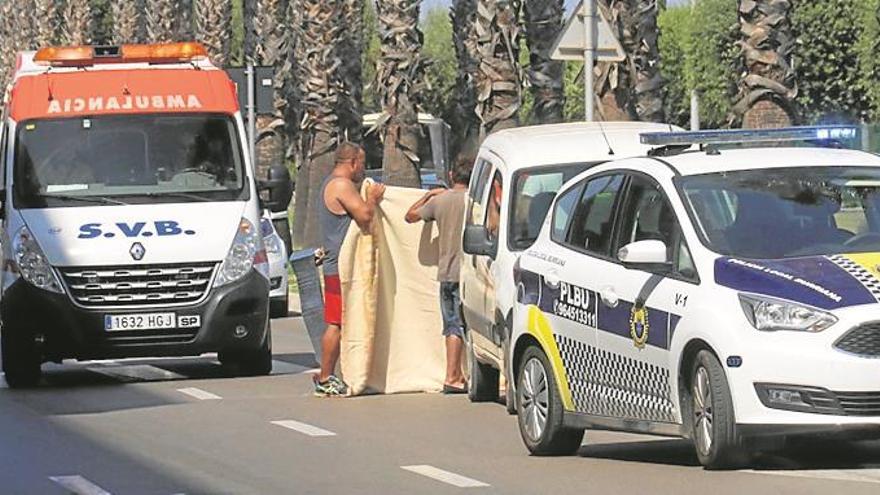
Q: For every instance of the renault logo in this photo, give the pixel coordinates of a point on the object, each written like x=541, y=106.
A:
x=137, y=251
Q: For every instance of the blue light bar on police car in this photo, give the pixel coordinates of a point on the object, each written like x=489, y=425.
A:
x=788, y=134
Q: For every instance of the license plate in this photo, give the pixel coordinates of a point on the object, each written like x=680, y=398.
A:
x=150, y=321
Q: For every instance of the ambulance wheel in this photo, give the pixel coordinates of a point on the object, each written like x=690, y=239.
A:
x=21, y=359
x=539, y=408
x=249, y=363
x=482, y=379
x=713, y=425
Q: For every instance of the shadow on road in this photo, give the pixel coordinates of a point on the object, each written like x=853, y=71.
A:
x=670, y=452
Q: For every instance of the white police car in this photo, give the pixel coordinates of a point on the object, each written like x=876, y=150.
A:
x=724, y=295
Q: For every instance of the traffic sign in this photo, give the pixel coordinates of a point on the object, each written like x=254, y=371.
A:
x=572, y=42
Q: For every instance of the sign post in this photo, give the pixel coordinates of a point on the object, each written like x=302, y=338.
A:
x=588, y=37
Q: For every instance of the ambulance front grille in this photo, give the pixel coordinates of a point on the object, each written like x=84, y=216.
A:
x=148, y=285
x=861, y=341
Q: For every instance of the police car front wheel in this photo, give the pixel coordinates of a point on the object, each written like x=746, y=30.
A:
x=539, y=408
x=713, y=425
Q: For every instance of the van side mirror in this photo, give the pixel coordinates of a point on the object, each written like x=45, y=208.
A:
x=280, y=187
x=477, y=241
x=649, y=254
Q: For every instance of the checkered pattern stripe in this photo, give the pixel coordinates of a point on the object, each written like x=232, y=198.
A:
x=608, y=384
x=864, y=276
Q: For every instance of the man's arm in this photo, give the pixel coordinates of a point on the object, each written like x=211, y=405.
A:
x=413, y=215
x=358, y=209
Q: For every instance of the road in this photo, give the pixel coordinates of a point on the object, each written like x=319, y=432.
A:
x=179, y=426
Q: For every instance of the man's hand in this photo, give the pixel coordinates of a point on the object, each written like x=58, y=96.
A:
x=413, y=215
x=375, y=192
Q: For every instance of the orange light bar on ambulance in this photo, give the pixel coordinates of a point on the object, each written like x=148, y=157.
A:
x=89, y=55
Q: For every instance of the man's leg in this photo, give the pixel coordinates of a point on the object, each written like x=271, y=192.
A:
x=454, y=346
x=453, y=332
x=330, y=347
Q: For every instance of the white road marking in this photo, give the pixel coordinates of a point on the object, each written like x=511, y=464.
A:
x=141, y=372
x=312, y=431
x=445, y=476
x=78, y=485
x=857, y=475
x=199, y=393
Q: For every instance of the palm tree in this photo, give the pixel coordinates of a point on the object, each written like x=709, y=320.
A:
x=768, y=86
x=213, y=25
x=126, y=21
x=76, y=28
x=160, y=17
x=632, y=89
x=543, y=24
x=7, y=43
x=317, y=29
x=351, y=44
x=400, y=77
x=44, y=19
x=464, y=37
x=499, y=76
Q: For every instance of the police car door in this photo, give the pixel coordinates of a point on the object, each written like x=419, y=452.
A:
x=640, y=308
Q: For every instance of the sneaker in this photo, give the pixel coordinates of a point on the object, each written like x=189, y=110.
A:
x=331, y=387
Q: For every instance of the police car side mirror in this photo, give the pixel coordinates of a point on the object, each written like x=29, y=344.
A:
x=477, y=241
x=279, y=186
x=644, y=254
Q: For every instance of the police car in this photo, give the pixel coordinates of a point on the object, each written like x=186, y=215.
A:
x=723, y=295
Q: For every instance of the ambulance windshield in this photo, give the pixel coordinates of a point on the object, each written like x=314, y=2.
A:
x=130, y=158
x=786, y=212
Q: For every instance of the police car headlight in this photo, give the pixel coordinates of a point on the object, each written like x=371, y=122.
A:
x=247, y=253
x=32, y=263
x=766, y=313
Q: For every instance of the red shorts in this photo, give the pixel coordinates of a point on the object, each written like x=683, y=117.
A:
x=332, y=300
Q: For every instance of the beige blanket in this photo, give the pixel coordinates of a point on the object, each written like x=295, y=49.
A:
x=392, y=330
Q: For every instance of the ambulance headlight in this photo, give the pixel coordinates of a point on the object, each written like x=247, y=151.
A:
x=247, y=253
x=32, y=263
x=270, y=238
x=766, y=313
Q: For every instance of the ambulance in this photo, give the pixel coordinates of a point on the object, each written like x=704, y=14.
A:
x=130, y=212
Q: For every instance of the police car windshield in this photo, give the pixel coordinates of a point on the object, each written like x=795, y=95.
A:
x=786, y=212
x=137, y=158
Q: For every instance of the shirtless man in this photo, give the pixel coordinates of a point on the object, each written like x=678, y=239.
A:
x=341, y=204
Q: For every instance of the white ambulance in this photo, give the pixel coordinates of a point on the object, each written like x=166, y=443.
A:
x=130, y=212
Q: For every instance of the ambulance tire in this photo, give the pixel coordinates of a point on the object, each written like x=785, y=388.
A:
x=21, y=360
x=249, y=363
x=541, y=396
x=716, y=441
x=482, y=379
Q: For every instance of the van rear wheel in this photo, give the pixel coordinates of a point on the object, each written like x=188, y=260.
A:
x=21, y=359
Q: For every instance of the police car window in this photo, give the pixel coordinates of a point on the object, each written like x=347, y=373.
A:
x=562, y=212
x=160, y=157
x=532, y=194
x=593, y=220
x=787, y=212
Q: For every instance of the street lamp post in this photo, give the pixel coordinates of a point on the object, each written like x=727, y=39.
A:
x=589, y=56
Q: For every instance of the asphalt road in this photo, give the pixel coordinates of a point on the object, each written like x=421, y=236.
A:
x=179, y=426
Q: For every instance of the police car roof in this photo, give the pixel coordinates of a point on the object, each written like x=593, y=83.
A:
x=700, y=162
x=570, y=143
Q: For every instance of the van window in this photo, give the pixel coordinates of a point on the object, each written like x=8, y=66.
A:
x=478, y=191
x=593, y=221
x=134, y=158
x=532, y=194
x=493, y=205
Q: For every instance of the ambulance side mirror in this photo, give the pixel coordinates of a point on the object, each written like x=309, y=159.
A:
x=649, y=254
x=279, y=186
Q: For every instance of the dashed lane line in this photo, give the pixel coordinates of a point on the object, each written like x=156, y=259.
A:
x=445, y=476
x=77, y=485
x=199, y=393
x=857, y=475
x=137, y=372
x=305, y=429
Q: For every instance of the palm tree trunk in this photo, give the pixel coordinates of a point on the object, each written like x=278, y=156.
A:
x=645, y=55
x=44, y=19
x=351, y=46
x=213, y=25
x=7, y=43
x=464, y=37
x=76, y=28
x=499, y=75
x=160, y=16
x=768, y=87
x=126, y=21
x=317, y=32
x=400, y=77
x=543, y=24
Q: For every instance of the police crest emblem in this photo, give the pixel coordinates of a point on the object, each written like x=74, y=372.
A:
x=638, y=326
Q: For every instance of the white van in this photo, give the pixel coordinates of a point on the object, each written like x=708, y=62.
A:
x=130, y=212
x=515, y=179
